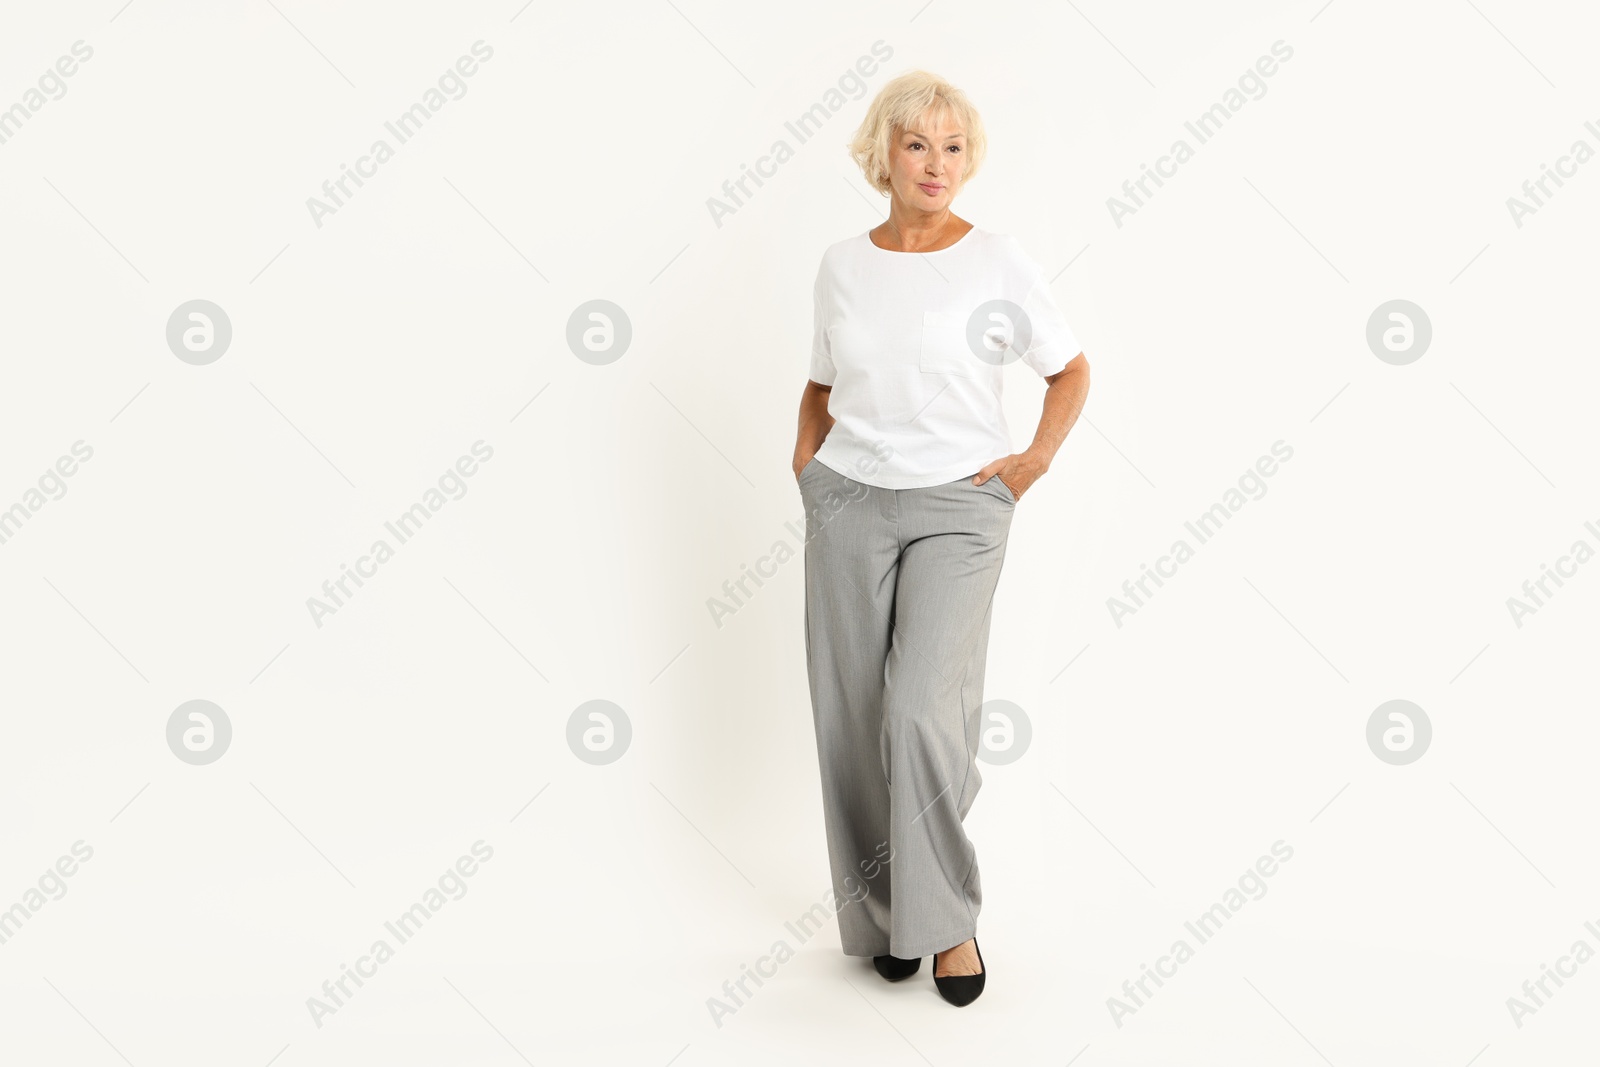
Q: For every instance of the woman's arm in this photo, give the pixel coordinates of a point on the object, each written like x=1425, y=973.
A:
x=1063, y=400
x=815, y=422
x=1069, y=387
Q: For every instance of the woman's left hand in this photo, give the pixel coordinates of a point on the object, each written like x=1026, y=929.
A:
x=1016, y=472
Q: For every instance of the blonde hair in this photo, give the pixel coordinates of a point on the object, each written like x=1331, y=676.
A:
x=903, y=103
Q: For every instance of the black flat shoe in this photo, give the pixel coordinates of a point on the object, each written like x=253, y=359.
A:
x=961, y=989
x=894, y=968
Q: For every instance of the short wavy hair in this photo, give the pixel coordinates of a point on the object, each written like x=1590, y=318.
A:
x=904, y=102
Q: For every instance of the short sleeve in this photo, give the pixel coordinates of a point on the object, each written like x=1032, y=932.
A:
x=822, y=368
x=1053, y=344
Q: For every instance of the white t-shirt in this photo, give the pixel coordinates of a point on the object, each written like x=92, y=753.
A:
x=915, y=349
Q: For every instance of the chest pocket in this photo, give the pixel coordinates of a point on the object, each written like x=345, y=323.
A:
x=944, y=345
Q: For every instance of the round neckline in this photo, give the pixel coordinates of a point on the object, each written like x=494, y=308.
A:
x=957, y=243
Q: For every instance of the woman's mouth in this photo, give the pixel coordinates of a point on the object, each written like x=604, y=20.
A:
x=931, y=188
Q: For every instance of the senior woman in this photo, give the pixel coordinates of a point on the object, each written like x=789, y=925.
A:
x=904, y=464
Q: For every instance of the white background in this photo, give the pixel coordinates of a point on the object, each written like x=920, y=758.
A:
x=368, y=354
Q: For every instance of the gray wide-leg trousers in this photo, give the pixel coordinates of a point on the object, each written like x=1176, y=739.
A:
x=899, y=584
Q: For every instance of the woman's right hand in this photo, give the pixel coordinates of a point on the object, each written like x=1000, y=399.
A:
x=800, y=464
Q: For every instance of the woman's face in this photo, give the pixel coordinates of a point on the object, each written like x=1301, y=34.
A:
x=926, y=163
